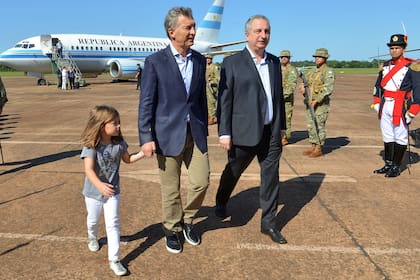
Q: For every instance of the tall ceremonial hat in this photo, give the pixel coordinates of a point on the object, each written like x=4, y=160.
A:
x=285, y=53
x=322, y=52
x=398, y=40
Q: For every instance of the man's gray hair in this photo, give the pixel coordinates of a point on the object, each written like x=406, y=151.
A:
x=171, y=19
x=251, y=19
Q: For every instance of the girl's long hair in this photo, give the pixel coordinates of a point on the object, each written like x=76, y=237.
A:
x=98, y=117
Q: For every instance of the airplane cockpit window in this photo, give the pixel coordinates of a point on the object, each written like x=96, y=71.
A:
x=18, y=46
x=25, y=46
x=31, y=45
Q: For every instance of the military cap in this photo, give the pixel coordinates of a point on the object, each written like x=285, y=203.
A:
x=209, y=56
x=322, y=52
x=285, y=53
x=398, y=40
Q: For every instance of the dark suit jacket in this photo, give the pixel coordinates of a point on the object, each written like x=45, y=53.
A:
x=241, y=103
x=164, y=104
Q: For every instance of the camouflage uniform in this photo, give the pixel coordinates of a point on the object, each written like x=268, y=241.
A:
x=213, y=76
x=289, y=75
x=321, y=85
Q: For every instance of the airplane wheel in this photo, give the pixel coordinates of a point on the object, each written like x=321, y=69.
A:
x=42, y=82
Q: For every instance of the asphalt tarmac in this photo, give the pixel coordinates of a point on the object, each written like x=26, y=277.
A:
x=341, y=220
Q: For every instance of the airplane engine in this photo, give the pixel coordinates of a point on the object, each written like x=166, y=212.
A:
x=123, y=69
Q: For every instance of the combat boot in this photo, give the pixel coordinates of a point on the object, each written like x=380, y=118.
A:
x=317, y=152
x=308, y=152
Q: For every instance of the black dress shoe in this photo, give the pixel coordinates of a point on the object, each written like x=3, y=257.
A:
x=394, y=171
x=220, y=211
x=382, y=170
x=275, y=235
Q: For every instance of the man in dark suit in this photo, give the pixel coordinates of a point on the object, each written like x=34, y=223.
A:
x=173, y=124
x=252, y=121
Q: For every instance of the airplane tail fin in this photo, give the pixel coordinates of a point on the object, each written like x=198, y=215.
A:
x=209, y=28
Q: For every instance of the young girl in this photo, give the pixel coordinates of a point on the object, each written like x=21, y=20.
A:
x=103, y=149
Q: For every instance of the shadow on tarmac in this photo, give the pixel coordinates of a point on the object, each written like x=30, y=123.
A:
x=29, y=163
x=294, y=194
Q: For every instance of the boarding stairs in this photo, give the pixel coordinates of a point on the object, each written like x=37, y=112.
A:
x=65, y=60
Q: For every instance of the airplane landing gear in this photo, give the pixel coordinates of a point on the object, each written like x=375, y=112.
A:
x=42, y=82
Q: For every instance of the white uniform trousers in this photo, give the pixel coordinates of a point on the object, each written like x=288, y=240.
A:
x=390, y=131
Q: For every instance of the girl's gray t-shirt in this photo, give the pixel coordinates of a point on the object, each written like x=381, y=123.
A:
x=107, y=166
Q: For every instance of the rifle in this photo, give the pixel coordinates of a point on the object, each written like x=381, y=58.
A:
x=307, y=100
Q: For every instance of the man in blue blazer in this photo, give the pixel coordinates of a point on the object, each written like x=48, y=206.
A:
x=173, y=124
x=251, y=119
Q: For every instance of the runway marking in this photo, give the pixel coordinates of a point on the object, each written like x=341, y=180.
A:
x=239, y=246
x=256, y=177
x=327, y=249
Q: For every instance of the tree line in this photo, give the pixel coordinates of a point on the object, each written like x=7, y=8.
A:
x=332, y=63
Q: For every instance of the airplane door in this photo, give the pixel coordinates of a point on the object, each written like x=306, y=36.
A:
x=46, y=44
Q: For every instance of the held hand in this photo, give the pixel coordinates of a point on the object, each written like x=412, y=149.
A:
x=408, y=118
x=148, y=149
x=225, y=143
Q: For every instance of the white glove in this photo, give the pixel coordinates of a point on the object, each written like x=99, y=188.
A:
x=376, y=107
x=408, y=118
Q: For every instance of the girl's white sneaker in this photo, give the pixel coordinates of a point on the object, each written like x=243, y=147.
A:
x=118, y=268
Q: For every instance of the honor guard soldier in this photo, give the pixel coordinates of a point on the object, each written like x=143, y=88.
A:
x=396, y=99
x=321, y=85
x=289, y=77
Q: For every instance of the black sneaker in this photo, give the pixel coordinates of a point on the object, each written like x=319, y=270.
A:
x=190, y=235
x=173, y=244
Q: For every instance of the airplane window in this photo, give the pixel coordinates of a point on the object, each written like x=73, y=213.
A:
x=31, y=45
x=101, y=48
x=82, y=47
x=18, y=46
x=96, y=48
x=25, y=46
x=72, y=47
x=91, y=48
x=77, y=47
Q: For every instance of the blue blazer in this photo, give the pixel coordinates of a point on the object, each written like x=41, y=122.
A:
x=241, y=101
x=164, y=104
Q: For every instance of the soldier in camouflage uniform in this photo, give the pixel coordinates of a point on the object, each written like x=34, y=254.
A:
x=212, y=78
x=289, y=77
x=321, y=85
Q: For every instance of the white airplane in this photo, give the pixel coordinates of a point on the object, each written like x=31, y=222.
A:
x=95, y=54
